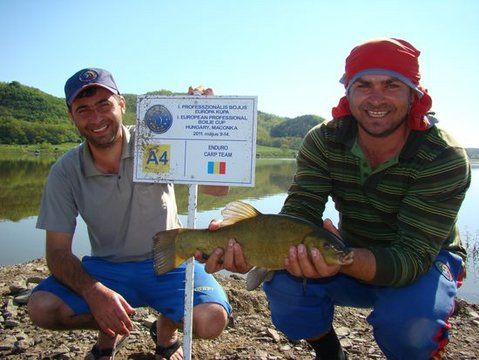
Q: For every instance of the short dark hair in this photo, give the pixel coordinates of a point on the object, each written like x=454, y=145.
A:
x=91, y=91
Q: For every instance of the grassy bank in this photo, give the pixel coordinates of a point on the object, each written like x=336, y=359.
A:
x=272, y=152
x=34, y=149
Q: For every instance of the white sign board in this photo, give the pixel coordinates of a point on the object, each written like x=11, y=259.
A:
x=207, y=140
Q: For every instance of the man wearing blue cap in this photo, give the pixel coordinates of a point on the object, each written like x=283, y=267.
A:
x=102, y=290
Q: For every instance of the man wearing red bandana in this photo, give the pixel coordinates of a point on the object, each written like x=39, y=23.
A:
x=397, y=181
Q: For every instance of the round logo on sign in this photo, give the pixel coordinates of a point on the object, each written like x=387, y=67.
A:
x=158, y=119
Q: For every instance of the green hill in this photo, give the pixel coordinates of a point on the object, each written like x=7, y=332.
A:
x=29, y=104
x=297, y=127
x=31, y=116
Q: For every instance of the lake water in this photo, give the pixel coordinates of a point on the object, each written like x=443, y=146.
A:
x=22, y=180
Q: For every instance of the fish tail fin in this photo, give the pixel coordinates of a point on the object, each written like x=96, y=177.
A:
x=165, y=257
x=257, y=276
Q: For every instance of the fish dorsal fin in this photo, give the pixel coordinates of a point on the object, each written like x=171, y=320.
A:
x=236, y=211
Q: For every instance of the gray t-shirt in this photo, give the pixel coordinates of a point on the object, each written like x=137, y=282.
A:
x=121, y=216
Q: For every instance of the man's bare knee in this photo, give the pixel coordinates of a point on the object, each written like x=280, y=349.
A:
x=209, y=320
x=45, y=309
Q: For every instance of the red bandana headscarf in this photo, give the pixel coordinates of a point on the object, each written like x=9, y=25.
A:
x=394, y=57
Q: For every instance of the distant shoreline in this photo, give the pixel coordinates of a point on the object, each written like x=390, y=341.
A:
x=36, y=150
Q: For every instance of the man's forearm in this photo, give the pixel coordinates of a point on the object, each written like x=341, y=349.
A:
x=67, y=268
x=363, y=266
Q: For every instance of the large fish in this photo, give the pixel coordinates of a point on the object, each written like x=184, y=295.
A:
x=264, y=238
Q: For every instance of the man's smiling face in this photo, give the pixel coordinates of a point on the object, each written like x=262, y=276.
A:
x=380, y=103
x=98, y=116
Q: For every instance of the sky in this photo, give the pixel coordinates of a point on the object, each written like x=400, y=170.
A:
x=290, y=54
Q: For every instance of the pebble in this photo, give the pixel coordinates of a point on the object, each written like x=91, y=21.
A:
x=17, y=286
x=24, y=344
x=11, y=309
x=21, y=335
x=34, y=280
x=10, y=323
x=274, y=334
x=62, y=349
x=263, y=338
x=8, y=343
x=147, y=322
x=261, y=354
x=342, y=331
x=346, y=343
x=236, y=277
x=473, y=314
x=22, y=297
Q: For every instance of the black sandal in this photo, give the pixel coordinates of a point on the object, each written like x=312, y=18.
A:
x=163, y=351
x=98, y=353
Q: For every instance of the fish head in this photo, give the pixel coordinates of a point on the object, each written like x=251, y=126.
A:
x=331, y=247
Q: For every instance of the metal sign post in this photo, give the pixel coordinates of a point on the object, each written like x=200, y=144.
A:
x=189, y=278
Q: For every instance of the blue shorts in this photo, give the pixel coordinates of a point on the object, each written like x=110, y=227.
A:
x=140, y=286
x=409, y=322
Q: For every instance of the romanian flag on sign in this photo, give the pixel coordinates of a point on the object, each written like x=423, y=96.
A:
x=216, y=167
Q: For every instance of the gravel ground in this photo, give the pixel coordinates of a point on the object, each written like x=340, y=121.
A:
x=250, y=336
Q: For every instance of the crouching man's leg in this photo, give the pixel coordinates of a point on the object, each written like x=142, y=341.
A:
x=55, y=307
x=209, y=320
x=48, y=311
x=304, y=312
x=411, y=322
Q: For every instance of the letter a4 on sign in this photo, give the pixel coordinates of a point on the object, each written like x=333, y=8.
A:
x=156, y=158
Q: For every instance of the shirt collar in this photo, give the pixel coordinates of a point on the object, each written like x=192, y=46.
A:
x=348, y=132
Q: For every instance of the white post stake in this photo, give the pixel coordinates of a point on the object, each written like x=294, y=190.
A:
x=189, y=277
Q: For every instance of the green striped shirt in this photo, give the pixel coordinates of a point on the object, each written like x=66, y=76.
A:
x=405, y=211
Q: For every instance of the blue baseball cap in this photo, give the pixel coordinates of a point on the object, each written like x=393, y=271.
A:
x=86, y=78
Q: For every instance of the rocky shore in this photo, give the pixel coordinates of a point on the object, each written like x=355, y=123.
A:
x=250, y=336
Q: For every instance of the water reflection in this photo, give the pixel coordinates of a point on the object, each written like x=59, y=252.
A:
x=21, y=184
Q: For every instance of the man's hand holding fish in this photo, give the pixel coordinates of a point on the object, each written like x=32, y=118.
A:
x=300, y=264
x=231, y=258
